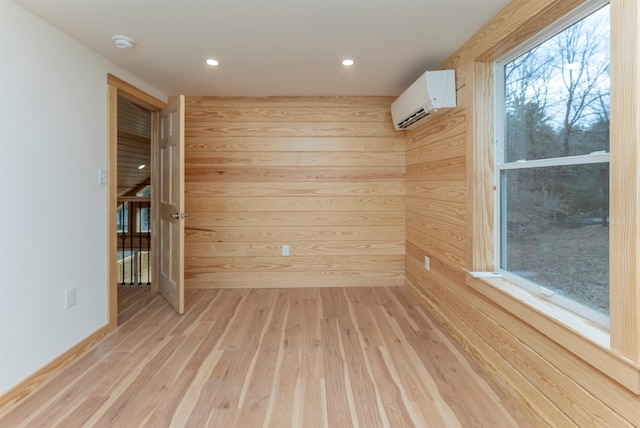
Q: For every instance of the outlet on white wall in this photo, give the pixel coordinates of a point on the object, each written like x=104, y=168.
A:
x=69, y=298
x=427, y=263
x=285, y=250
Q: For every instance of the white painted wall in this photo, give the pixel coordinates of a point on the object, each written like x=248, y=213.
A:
x=53, y=235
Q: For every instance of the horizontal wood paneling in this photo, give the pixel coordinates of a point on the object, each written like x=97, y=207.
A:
x=213, y=190
x=275, y=104
x=308, y=248
x=133, y=120
x=316, y=113
x=298, y=173
x=294, y=233
x=324, y=175
x=525, y=364
x=289, y=204
x=292, y=264
x=564, y=389
x=320, y=218
x=450, y=191
x=132, y=152
x=287, y=279
x=445, y=169
x=291, y=127
x=293, y=143
x=446, y=232
x=279, y=159
x=448, y=212
x=134, y=145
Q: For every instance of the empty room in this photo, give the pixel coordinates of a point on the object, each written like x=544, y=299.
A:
x=320, y=214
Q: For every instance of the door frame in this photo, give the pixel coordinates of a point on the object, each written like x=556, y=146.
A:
x=118, y=87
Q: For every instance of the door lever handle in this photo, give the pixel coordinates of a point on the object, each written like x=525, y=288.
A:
x=179, y=216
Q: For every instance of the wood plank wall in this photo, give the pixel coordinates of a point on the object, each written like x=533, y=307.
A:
x=322, y=175
x=134, y=145
x=552, y=381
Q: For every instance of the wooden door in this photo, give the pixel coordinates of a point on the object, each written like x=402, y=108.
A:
x=170, y=161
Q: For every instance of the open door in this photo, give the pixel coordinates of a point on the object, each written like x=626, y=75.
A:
x=170, y=160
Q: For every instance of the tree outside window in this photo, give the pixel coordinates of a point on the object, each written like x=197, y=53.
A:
x=553, y=164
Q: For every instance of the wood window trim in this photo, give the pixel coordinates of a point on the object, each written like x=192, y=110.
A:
x=618, y=354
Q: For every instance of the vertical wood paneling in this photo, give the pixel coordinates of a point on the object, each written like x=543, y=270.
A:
x=625, y=176
x=322, y=175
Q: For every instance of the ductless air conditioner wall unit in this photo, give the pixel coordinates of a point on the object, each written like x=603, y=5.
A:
x=433, y=91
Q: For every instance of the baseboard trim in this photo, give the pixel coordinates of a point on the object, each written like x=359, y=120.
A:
x=46, y=373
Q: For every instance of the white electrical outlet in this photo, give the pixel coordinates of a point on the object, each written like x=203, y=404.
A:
x=427, y=263
x=70, y=298
x=285, y=250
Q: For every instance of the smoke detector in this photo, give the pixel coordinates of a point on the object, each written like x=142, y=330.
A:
x=123, y=42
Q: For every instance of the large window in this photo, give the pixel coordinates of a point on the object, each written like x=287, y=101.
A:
x=552, y=164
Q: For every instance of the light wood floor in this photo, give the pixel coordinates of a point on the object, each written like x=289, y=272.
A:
x=332, y=357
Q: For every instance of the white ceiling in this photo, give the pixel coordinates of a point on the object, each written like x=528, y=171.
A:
x=274, y=47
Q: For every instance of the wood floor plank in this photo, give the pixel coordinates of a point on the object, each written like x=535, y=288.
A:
x=84, y=411
x=339, y=414
x=225, y=310
x=168, y=405
x=125, y=405
x=203, y=408
x=259, y=390
x=395, y=408
x=285, y=410
x=360, y=380
x=92, y=383
x=326, y=358
x=131, y=300
x=415, y=380
x=360, y=302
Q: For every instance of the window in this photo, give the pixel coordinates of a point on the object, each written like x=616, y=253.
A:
x=613, y=351
x=552, y=165
x=143, y=219
x=145, y=191
x=122, y=218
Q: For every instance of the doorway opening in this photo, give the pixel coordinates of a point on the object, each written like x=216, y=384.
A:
x=132, y=254
x=133, y=216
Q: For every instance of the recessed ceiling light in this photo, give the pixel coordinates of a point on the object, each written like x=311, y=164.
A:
x=141, y=166
x=347, y=62
x=123, y=42
x=212, y=62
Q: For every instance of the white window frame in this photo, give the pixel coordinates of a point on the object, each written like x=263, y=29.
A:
x=499, y=128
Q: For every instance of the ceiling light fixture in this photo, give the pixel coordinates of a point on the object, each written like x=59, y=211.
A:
x=347, y=62
x=123, y=42
x=141, y=166
x=212, y=62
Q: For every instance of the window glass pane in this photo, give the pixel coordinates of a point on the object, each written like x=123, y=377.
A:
x=144, y=220
x=145, y=191
x=555, y=229
x=122, y=218
x=557, y=94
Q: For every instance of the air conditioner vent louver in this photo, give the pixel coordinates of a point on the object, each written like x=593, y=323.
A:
x=412, y=119
x=434, y=90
